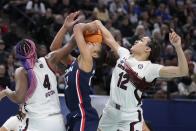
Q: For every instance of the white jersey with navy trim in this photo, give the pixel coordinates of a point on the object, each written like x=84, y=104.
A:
x=44, y=101
x=123, y=91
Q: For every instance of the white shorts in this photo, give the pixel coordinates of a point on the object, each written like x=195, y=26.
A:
x=13, y=123
x=50, y=123
x=114, y=119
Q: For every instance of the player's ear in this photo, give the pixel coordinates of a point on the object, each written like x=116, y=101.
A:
x=147, y=49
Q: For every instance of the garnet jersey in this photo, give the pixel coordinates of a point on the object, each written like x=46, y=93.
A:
x=130, y=77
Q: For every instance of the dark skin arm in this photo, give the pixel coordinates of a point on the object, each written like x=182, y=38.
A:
x=17, y=96
x=59, y=54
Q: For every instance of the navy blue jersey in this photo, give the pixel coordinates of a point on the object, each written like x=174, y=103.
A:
x=78, y=87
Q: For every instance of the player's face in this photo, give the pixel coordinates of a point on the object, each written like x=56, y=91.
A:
x=95, y=49
x=141, y=45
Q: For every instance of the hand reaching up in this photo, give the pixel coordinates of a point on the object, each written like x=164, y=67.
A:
x=175, y=39
x=71, y=20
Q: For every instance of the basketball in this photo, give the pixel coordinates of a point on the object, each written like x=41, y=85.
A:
x=93, y=37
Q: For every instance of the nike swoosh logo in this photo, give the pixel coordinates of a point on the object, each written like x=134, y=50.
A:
x=75, y=115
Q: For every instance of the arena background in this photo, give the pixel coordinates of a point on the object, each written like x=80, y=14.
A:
x=169, y=106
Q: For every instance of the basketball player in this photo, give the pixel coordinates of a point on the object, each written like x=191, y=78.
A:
x=133, y=74
x=82, y=116
x=36, y=84
x=17, y=122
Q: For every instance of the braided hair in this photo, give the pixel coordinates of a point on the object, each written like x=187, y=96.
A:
x=26, y=53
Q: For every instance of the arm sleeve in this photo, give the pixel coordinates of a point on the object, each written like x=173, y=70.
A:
x=154, y=71
x=12, y=123
x=123, y=52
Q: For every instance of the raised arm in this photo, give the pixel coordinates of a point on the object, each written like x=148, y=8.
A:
x=182, y=68
x=70, y=20
x=86, y=57
x=107, y=37
x=59, y=54
x=17, y=96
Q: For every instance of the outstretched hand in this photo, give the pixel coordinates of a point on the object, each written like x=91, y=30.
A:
x=71, y=20
x=175, y=39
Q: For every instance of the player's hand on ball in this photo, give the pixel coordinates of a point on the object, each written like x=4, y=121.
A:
x=175, y=39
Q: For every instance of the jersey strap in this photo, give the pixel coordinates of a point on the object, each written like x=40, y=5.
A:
x=139, y=83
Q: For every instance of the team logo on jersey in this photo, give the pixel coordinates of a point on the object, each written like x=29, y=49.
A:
x=121, y=61
x=41, y=66
x=140, y=66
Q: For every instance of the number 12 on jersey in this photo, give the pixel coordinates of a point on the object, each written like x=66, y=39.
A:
x=123, y=79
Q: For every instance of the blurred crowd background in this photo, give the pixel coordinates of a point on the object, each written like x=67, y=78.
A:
x=128, y=20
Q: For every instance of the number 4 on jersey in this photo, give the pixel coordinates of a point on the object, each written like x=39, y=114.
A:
x=46, y=83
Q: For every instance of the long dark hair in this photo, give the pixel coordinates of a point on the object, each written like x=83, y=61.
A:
x=155, y=50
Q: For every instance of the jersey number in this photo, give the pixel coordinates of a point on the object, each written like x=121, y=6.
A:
x=123, y=79
x=46, y=83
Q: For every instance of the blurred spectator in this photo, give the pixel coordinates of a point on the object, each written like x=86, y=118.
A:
x=139, y=33
x=11, y=37
x=126, y=28
x=56, y=25
x=118, y=6
x=3, y=53
x=163, y=11
x=42, y=50
x=4, y=79
x=101, y=12
x=35, y=7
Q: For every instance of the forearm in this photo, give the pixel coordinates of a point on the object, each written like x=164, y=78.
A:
x=78, y=33
x=12, y=95
x=108, y=37
x=69, y=46
x=182, y=62
x=58, y=40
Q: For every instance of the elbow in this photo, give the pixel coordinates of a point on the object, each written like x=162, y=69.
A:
x=51, y=48
x=185, y=73
x=19, y=100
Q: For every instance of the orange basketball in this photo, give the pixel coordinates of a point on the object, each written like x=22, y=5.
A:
x=93, y=37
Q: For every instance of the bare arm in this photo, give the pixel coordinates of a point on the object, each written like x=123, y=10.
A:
x=70, y=20
x=3, y=129
x=107, y=36
x=182, y=68
x=59, y=54
x=86, y=62
x=58, y=39
x=18, y=96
